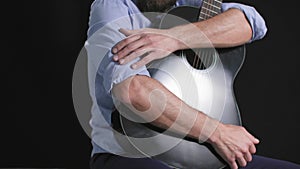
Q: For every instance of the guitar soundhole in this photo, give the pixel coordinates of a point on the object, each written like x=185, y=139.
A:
x=200, y=59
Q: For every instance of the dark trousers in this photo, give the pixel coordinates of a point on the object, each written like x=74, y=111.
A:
x=110, y=161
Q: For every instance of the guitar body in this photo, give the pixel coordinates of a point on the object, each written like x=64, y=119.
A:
x=209, y=89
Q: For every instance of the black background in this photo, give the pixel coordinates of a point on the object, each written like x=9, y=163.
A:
x=41, y=41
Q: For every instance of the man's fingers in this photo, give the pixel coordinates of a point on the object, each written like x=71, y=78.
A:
x=126, y=32
x=145, y=60
x=122, y=44
x=233, y=165
x=252, y=149
x=253, y=139
x=241, y=160
x=133, y=48
x=248, y=157
x=139, y=52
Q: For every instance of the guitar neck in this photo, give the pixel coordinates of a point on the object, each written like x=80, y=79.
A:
x=209, y=9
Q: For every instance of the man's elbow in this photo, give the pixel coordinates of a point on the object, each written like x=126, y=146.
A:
x=244, y=27
x=131, y=92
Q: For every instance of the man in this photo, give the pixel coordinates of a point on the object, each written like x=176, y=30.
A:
x=122, y=75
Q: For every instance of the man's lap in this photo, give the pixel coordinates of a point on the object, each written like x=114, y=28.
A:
x=110, y=161
x=260, y=162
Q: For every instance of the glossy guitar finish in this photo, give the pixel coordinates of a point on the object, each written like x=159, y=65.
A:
x=209, y=90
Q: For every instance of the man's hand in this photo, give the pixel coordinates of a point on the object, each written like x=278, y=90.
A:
x=152, y=99
x=227, y=29
x=234, y=143
x=149, y=44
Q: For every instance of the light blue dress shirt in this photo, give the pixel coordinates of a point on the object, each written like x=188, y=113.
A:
x=106, y=18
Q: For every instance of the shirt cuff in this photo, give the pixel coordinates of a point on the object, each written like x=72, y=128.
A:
x=257, y=23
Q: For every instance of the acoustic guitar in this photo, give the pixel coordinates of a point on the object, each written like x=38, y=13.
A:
x=202, y=78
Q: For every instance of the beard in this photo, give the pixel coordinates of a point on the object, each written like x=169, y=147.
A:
x=155, y=5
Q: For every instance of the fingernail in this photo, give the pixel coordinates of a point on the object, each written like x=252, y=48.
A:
x=114, y=50
x=133, y=66
x=121, y=61
x=115, y=57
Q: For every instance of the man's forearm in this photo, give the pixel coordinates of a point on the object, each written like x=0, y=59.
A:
x=227, y=29
x=150, y=100
x=153, y=102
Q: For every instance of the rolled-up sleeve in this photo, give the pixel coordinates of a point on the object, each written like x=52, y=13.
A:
x=104, y=34
x=258, y=25
x=100, y=56
x=113, y=73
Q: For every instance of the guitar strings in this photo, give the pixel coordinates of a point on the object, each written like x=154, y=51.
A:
x=202, y=58
x=207, y=55
x=195, y=61
x=200, y=63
